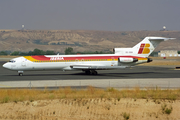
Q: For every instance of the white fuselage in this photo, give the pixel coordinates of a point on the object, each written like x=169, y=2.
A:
x=65, y=62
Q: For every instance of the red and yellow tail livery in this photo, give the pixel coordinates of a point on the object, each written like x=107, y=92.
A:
x=144, y=48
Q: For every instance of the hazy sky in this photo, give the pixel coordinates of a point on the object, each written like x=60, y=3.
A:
x=108, y=15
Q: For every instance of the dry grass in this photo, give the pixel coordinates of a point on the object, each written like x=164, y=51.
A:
x=15, y=95
x=167, y=58
x=162, y=63
x=90, y=104
x=159, y=61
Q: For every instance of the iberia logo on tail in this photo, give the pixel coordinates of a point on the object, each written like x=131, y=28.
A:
x=144, y=48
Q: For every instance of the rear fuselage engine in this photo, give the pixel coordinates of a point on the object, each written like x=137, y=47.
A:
x=127, y=60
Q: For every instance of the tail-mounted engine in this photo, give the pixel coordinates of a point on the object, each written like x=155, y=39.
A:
x=127, y=60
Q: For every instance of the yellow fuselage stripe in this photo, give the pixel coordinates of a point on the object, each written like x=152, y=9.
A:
x=34, y=60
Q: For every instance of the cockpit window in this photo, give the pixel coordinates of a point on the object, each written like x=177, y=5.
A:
x=12, y=61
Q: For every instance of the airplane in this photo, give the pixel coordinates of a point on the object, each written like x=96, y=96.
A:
x=121, y=58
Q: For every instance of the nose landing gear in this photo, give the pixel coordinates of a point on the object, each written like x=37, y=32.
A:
x=20, y=73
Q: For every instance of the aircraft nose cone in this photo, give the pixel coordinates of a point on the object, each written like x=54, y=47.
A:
x=6, y=66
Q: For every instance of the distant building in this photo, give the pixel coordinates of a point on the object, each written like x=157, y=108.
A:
x=168, y=53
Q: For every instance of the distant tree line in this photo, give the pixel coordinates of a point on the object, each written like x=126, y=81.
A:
x=69, y=51
x=3, y=53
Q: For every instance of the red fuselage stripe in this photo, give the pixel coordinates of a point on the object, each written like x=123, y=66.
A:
x=44, y=58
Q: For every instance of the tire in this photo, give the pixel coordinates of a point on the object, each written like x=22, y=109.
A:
x=20, y=74
x=87, y=72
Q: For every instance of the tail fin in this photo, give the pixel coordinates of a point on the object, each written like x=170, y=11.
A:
x=147, y=45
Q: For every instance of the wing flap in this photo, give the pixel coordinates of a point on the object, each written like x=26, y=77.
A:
x=94, y=67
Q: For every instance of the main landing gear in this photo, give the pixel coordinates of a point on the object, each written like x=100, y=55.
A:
x=20, y=73
x=91, y=72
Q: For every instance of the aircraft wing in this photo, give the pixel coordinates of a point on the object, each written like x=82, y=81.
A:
x=95, y=67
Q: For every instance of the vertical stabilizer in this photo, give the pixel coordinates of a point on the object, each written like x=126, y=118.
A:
x=147, y=45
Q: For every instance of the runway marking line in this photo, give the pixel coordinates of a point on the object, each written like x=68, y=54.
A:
x=175, y=69
x=4, y=85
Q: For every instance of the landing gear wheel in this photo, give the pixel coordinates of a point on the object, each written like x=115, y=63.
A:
x=87, y=72
x=91, y=72
x=94, y=72
x=20, y=74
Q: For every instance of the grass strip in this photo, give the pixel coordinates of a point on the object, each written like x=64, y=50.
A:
x=16, y=95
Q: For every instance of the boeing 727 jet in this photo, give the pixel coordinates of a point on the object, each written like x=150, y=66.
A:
x=122, y=58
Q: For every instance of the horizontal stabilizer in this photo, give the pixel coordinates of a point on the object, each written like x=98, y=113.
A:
x=161, y=38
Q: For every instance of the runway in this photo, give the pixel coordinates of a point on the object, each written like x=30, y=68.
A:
x=143, y=76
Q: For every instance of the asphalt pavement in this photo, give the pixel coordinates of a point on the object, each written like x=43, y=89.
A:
x=138, y=75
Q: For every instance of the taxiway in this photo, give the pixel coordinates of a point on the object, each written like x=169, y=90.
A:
x=143, y=76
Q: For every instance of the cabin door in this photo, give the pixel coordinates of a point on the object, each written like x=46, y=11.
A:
x=113, y=62
x=23, y=62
